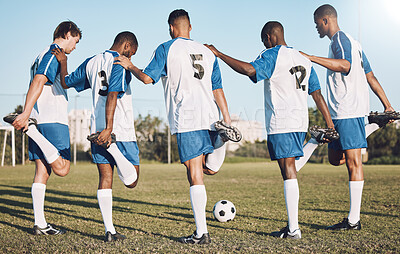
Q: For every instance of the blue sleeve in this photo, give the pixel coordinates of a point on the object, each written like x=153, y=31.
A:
x=265, y=64
x=119, y=80
x=78, y=78
x=49, y=66
x=313, y=82
x=341, y=47
x=216, y=79
x=158, y=64
x=366, y=65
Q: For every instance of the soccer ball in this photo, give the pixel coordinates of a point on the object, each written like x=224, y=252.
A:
x=224, y=211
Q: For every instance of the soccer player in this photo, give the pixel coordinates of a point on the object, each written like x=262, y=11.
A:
x=112, y=125
x=288, y=78
x=348, y=76
x=45, y=121
x=193, y=94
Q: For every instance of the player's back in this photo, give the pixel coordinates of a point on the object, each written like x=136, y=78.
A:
x=188, y=86
x=52, y=104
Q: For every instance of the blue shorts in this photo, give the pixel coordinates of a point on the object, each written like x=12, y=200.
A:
x=57, y=134
x=286, y=145
x=128, y=148
x=352, y=134
x=195, y=143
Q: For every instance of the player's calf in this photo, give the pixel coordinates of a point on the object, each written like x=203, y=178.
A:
x=383, y=118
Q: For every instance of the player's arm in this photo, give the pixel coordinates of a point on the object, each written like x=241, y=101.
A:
x=35, y=89
x=128, y=65
x=378, y=90
x=62, y=59
x=337, y=65
x=237, y=65
x=111, y=104
x=220, y=99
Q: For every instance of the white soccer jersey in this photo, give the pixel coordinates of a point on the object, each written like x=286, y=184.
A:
x=101, y=75
x=348, y=95
x=52, y=104
x=288, y=78
x=190, y=72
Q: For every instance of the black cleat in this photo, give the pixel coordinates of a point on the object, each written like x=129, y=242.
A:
x=92, y=138
x=49, y=230
x=323, y=135
x=10, y=118
x=345, y=225
x=192, y=239
x=227, y=132
x=113, y=237
x=383, y=118
x=285, y=233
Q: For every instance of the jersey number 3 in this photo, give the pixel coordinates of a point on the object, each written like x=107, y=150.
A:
x=199, y=70
x=303, y=72
x=104, y=85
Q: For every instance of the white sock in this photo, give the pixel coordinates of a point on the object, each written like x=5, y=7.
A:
x=215, y=160
x=308, y=150
x=291, y=191
x=104, y=196
x=38, y=191
x=198, y=198
x=126, y=170
x=370, y=128
x=50, y=152
x=355, y=189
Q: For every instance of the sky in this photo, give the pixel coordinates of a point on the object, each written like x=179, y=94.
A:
x=232, y=26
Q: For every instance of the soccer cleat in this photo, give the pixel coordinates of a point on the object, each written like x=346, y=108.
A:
x=92, y=138
x=227, y=132
x=10, y=118
x=345, y=225
x=321, y=135
x=285, y=233
x=192, y=239
x=113, y=237
x=49, y=230
x=383, y=118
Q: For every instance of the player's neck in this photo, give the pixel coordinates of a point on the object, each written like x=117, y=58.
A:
x=60, y=42
x=333, y=30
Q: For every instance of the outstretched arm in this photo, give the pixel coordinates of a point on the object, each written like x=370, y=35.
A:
x=378, y=90
x=337, y=65
x=237, y=65
x=35, y=89
x=105, y=135
x=62, y=59
x=128, y=65
x=322, y=107
x=222, y=104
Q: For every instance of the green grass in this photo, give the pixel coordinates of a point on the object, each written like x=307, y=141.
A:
x=158, y=211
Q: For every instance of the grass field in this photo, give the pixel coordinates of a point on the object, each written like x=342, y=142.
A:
x=158, y=211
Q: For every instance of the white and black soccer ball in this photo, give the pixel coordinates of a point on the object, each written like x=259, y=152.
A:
x=224, y=211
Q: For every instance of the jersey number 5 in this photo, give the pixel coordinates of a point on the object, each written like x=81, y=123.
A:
x=199, y=70
x=104, y=85
x=303, y=72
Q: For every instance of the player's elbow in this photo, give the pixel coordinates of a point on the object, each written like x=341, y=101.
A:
x=146, y=79
x=249, y=71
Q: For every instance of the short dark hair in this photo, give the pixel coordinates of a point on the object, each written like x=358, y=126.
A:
x=325, y=10
x=174, y=15
x=269, y=28
x=64, y=27
x=125, y=36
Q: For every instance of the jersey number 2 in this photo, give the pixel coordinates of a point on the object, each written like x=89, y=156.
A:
x=199, y=72
x=303, y=72
x=104, y=85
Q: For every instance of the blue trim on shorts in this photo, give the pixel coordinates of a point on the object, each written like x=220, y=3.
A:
x=352, y=134
x=286, y=145
x=128, y=148
x=57, y=134
x=193, y=144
